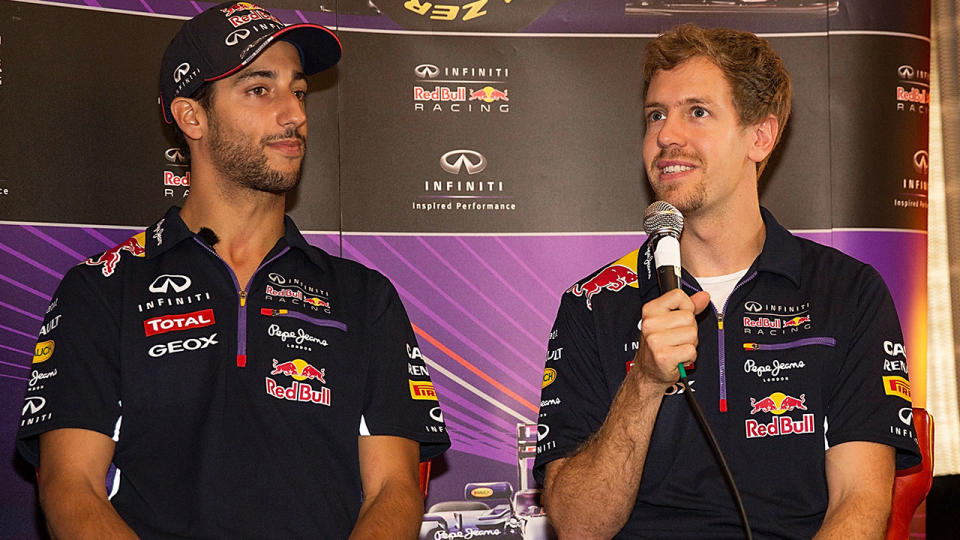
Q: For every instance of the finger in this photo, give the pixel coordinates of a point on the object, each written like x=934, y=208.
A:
x=669, y=301
x=700, y=301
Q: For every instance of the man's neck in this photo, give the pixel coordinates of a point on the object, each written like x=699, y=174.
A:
x=247, y=224
x=721, y=245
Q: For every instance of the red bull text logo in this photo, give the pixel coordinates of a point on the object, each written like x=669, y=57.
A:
x=778, y=403
x=173, y=323
x=301, y=371
x=111, y=257
x=439, y=93
x=239, y=20
x=297, y=295
x=489, y=94
x=422, y=390
x=781, y=425
x=761, y=322
x=896, y=386
x=611, y=278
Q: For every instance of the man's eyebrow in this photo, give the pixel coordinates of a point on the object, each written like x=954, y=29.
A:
x=267, y=74
x=687, y=101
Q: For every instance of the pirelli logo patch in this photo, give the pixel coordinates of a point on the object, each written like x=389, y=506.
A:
x=896, y=386
x=422, y=390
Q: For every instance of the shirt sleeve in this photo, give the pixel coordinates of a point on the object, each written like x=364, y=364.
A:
x=574, y=398
x=74, y=377
x=869, y=398
x=400, y=398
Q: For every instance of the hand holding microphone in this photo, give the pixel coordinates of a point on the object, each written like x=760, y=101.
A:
x=669, y=325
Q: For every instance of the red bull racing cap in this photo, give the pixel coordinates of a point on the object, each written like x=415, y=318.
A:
x=227, y=37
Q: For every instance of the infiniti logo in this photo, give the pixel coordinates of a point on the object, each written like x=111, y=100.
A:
x=456, y=160
x=277, y=278
x=165, y=282
x=234, y=37
x=181, y=70
x=426, y=71
x=33, y=405
x=542, y=431
x=436, y=414
x=906, y=72
x=175, y=155
x=921, y=162
x=752, y=306
x=906, y=416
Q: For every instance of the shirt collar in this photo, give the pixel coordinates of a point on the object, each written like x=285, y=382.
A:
x=781, y=254
x=170, y=230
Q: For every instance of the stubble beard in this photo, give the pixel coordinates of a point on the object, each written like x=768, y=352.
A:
x=688, y=199
x=245, y=164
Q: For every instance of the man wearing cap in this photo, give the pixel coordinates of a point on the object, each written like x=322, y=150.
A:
x=236, y=381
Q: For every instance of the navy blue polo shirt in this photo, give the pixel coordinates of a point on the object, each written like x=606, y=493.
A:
x=807, y=353
x=236, y=408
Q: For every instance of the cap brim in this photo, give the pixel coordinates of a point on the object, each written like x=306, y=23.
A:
x=320, y=48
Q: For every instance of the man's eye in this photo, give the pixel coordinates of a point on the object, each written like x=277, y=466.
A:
x=258, y=91
x=700, y=112
x=656, y=116
x=301, y=94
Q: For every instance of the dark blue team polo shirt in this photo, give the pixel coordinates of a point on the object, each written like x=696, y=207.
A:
x=806, y=354
x=236, y=407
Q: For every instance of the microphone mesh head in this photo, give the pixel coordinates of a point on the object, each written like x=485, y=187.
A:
x=662, y=219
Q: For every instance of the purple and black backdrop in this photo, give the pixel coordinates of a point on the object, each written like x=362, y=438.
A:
x=482, y=154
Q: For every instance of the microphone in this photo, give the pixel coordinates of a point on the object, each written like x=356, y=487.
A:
x=664, y=223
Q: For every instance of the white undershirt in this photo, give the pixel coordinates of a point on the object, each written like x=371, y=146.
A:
x=720, y=287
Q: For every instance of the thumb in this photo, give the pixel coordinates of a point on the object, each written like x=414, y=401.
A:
x=700, y=301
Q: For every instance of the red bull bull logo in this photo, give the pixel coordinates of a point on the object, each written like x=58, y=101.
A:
x=314, y=301
x=111, y=257
x=239, y=6
x=797, y=321
x=611, y=278
x=778, y=403
x=299, y=370
x=489, y=94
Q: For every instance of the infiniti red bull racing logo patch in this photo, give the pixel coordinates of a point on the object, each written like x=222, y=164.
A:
x=301, y=372
x=110, y=258
x=777, y=404
x=612, y=278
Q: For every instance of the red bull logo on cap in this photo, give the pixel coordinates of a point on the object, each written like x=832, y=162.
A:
x=239, y=6
x=612, y=278
x=489, y=94
x=110, y=258
x=778, y=403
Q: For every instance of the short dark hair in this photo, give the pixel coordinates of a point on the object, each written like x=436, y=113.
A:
x=203, y=96
x=759, y=84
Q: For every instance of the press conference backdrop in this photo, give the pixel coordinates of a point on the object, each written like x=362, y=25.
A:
x=482, y=154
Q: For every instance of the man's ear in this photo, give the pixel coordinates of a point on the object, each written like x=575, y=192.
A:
x=189, y=116
x=763, y=138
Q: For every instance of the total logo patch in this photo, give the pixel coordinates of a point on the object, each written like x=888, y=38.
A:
x=894, y=385
x=43, y=351
x=422, y=390
x=174, y=323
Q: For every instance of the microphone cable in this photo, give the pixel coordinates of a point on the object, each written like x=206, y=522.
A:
x=715, y=446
